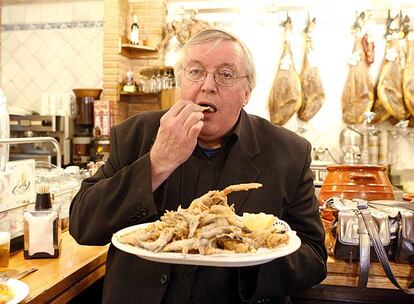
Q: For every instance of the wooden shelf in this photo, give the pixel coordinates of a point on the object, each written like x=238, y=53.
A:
x=138, y=94
x=137, y=97
x=138, y=47
x=133, y=51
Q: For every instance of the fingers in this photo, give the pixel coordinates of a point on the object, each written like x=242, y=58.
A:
x=195, y=129
x=177, y=108
x=192, y=119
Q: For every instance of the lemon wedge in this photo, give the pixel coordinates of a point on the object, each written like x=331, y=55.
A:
x=258, y=221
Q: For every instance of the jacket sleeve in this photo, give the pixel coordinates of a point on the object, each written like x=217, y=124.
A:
x=301, y=269
x=117, y=196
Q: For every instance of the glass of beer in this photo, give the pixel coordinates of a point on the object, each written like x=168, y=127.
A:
x=4, y=250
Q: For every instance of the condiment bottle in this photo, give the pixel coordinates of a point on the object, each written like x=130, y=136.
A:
x=42, y=227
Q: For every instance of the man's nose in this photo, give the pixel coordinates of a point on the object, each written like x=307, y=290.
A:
x=209, y=84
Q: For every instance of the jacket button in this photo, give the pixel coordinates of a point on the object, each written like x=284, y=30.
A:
x=163, y=279
x=143, y=212
x=133, y=218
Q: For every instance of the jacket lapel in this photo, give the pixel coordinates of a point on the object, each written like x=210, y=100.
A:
x=239, y=166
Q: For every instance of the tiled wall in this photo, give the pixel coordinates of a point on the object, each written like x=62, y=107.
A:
x=50, y=47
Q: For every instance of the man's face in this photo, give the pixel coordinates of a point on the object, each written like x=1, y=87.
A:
x=227, y=101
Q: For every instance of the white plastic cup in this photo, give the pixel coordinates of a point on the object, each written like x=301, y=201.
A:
x=4, y=250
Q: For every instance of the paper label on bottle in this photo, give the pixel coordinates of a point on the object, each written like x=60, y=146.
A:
x=135, y=36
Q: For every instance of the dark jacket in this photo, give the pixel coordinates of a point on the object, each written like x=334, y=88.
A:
x=119, y=195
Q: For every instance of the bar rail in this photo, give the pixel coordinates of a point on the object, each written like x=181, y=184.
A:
x=30, y=140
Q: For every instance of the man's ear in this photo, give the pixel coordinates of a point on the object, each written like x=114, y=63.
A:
x=248, y=93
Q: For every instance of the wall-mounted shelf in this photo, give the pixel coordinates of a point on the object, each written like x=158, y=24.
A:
x=138, y=97
x=133, y=51
x=138, y=94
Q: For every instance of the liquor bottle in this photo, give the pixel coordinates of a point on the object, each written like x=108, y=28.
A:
x=42, y=229
x=135, y=31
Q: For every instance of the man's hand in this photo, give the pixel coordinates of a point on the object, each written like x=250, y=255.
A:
x=176, y=139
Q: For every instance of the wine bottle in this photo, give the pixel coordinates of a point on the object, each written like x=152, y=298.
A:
x=135, y=31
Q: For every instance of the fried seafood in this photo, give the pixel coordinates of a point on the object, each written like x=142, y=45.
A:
x=208, y=226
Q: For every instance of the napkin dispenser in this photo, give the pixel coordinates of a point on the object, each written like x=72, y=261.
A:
x=42, y=231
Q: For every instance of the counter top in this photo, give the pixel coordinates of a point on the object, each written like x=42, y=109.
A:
x=78, y=267
x=59, y=280
x=340, y=286
x=344, y=273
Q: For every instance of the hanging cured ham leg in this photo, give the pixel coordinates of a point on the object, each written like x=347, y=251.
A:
x=357, y=96
x=389, y=88
x=408, y=74
x=285, y=96
x=313, y=93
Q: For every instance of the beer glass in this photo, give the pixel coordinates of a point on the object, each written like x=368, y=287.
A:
x=4, y=250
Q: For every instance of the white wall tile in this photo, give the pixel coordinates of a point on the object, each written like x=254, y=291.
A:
x=10, y=42
x=21, y=80
x=10, y=90
x=96, y=12
x=10, y=68
x=32, y=67
x=17, y=14
x=55, y=42
x=44, y=55
x=22, y=55
x=33, y=42
x=33, y=13
x=67, y=80
x=23, y=35
x=44, y=81
x=5, y=15
x=81, y=11
x=64, y=12
x=48, y=12
x=80, y=41
x=55, y=67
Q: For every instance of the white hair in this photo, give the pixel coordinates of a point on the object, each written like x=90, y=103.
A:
x=210, y=35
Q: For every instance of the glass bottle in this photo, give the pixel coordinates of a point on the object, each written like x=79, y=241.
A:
x=135, y=31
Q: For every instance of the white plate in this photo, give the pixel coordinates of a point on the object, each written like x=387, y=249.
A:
x=20, y=289
x=220, y=260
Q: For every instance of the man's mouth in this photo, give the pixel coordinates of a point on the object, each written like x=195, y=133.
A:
x=207, y=108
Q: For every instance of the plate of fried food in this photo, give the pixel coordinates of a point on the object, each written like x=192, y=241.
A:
x=13, y=291
x=210, y=233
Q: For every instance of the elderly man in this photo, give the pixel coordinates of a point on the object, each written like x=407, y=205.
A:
x=160, y=160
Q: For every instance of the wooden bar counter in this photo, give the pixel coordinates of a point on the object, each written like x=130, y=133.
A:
x=78, y=267
x=59, y=280
x=340, y=286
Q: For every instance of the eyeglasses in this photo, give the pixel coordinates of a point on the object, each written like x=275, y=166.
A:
x=223, y=77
